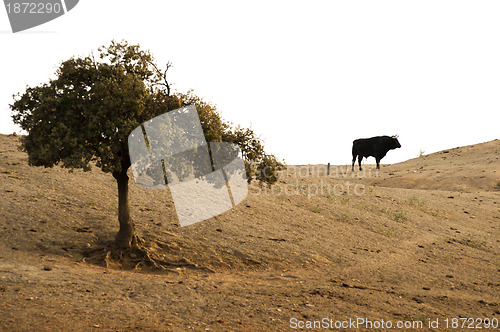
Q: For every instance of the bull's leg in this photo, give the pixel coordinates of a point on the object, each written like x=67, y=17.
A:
x=353, y=161
x=378, y=162
x=359, y=161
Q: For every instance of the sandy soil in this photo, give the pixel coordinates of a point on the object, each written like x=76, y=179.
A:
x=417, y=241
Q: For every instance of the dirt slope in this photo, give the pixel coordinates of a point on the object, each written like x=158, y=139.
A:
x=419, y=240
x=468, y=169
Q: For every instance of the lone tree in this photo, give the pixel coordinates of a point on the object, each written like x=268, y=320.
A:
x=86, y=113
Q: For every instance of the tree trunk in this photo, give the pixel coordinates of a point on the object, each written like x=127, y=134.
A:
x=126, y=233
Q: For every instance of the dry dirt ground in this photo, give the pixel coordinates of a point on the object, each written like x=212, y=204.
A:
x=416, y=242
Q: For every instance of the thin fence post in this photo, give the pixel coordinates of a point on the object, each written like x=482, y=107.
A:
x=328, y=169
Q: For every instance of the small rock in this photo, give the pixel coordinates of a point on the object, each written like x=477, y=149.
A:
x=449, y=276
x=85, y=229
x=47, y=268
x=426, y=288
x=277, y=239
x=219, y=230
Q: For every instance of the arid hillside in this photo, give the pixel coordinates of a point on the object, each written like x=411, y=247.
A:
x=464, y=169
x=413, y=243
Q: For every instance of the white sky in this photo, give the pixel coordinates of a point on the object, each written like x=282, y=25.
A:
x=308, y=76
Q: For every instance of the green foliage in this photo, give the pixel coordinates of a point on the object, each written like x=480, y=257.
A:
x=259, y=165
x=414, y=200
x=86, y=113
x=211, y=123
x=268, y=168
x=316, y=209
x=400, y=216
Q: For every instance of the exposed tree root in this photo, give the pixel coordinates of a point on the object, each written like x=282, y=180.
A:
x=143, y=254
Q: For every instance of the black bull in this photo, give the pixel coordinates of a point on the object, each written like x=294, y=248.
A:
x=373, y=147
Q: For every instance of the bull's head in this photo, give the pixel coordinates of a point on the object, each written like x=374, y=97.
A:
x=395, y=142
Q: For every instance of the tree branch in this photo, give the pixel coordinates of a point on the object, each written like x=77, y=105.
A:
x=163, y=75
